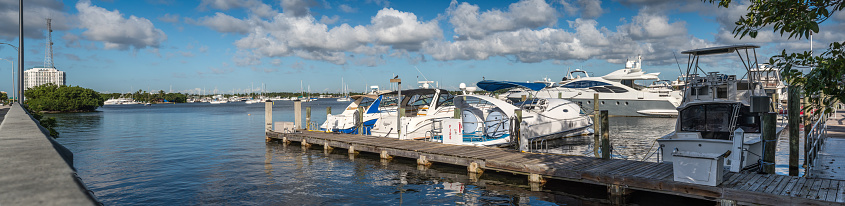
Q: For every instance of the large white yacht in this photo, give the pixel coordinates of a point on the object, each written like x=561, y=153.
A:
x=422, y=106
x=715, y=107
x=485, y=120
x=617, y=92
x=120, y=101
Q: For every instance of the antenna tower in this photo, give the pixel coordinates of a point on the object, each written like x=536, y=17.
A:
x=48, y=55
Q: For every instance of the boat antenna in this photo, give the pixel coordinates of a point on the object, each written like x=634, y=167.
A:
x=418, y=70
x=678, y=63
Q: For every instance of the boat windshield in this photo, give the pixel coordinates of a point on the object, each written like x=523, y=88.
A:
x=711, y=120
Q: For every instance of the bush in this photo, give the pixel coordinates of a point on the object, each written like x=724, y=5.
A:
x=49, y=97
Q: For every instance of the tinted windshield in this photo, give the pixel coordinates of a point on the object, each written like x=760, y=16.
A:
x=712, y=120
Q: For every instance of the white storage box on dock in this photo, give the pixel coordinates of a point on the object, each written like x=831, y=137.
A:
x=698, y=168
x=452, y=131
x=284, y=127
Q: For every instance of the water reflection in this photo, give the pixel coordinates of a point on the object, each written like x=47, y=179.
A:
x=199, y=154
x=632, y=138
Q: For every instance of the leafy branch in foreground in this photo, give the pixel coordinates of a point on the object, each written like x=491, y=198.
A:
x=823, y=81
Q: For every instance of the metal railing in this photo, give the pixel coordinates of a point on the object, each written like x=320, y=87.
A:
x=816, y=139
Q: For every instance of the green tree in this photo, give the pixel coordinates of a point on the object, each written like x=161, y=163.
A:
x=825, y=81
x=49, y=97
x=4, y=97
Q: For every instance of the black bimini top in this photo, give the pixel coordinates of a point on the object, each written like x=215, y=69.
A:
x=719, y=50
x=412, y=92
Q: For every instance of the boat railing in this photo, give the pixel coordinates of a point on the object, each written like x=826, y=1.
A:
x=815, y=139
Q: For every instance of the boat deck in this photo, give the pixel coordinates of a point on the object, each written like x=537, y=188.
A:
x=743, y=187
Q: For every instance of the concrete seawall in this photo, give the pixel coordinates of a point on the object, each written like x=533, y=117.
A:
x=34, y=168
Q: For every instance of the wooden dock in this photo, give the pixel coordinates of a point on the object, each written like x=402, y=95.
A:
x=831, y=159
x=620, y=176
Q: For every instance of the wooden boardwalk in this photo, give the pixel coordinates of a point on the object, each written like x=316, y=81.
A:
x=831, y=159
x=621, y=176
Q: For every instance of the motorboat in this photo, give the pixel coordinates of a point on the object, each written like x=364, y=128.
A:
x=618, y=92
x=422, y=108
x=218, y=99
x=120, y=101
x=486, y=120
x=720, y=112
x=347, y=121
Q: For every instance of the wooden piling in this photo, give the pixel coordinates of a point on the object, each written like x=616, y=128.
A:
x=457, y=114
x=307, y=118
x=793, y=117
x=399, y=123
x=268, y=116
x=360, y=120
x=517, y=123
x=770, y=140
x=605, y=135
x=596, y=125
x=423, y=161
x=473, y=168
x=536, y=178
x=384, y=155
x=297, y=114
x=560, y=95
x=328, y=110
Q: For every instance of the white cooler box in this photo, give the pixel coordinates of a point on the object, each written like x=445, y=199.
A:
x=698, y=168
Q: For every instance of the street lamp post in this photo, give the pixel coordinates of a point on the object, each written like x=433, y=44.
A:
x=13, y=77
x=14, y=90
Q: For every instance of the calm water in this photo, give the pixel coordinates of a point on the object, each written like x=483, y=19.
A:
x=200, y=154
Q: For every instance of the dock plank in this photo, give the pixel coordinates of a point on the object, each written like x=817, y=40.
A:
x=781, y=181
x=760, y=182
x=745, y=187
x=823, y=190
x=793, y=187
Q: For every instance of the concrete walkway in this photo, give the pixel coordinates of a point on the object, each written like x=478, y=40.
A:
x=35, y=169
x=831, y=160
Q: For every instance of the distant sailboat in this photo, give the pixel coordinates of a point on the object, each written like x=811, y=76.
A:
x=344, y=91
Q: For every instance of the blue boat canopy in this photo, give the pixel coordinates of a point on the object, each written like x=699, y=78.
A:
x=490, y=85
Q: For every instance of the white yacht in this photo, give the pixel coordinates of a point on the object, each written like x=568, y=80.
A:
x=120, y=101
x=720, y=113
x=617, y=92
x=347, y=121
x=422, y=106
x=485, y=120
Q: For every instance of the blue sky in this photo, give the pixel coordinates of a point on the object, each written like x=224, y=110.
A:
x=229, y=45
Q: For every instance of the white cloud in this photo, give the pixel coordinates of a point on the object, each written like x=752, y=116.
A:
x=467, y=20
x=34, y=19
x=298, y=8
x=256, y=7
x=347, y=8
x=588, y=9
x=329, y=20
x=402, y=30
x=170, y=18
x=652, y=26
x=115, y=31
x=224, y=23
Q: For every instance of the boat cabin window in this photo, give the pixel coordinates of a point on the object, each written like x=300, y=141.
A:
x=366, y=102
x=616, y=89
x=388, y=101
x=584, y=84
x=699, y=91
x=749, y=122
x=711, y=120
x=445, y=100
x=601, y=89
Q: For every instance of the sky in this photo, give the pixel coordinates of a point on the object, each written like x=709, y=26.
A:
x=226, y=46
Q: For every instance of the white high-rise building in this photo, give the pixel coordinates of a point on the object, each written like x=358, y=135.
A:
x=38, y=76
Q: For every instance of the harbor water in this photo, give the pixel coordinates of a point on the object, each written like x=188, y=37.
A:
x=204, y=154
